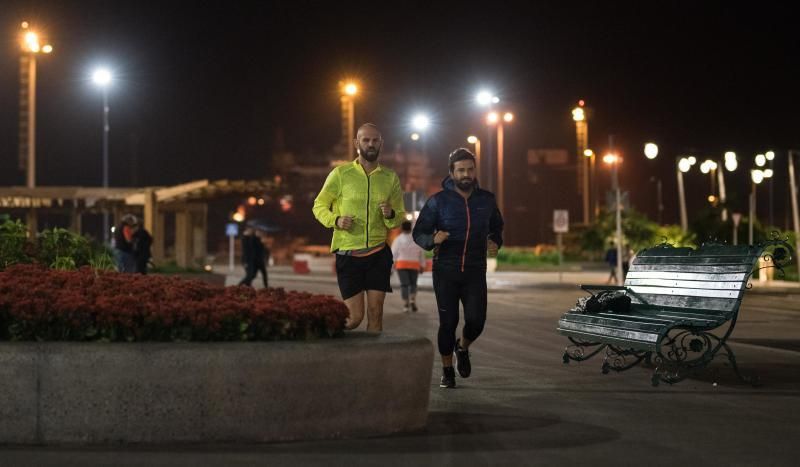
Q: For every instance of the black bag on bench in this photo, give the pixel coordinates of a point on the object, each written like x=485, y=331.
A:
x=616, y=301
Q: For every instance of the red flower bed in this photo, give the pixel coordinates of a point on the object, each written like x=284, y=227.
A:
x=37, y=303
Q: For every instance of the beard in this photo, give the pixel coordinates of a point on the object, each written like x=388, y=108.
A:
x=465, y=184
x=370, y=154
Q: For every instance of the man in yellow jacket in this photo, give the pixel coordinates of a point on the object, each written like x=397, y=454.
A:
x=362, y=201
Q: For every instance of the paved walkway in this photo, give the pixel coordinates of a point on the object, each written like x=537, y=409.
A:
x=522, y=406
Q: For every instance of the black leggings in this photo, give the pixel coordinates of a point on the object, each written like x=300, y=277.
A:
x=468, y=288
x=252, y=270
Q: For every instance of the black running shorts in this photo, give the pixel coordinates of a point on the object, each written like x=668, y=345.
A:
x=358, y=273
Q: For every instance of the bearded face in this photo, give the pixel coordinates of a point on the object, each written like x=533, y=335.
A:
x=465, y=183
x=463, y=174
x=369, y=143
x=369, y=153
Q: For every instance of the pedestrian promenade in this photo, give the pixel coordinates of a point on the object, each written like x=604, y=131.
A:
x=523, y=406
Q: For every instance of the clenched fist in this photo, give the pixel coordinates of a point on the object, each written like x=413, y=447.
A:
x=386, y=209
x=344, y=222
x=491, y=248
x=440, y=237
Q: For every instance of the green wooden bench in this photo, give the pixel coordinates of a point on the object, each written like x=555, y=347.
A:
x=678, y=297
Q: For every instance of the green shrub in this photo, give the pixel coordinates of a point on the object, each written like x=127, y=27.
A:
x=14, y=244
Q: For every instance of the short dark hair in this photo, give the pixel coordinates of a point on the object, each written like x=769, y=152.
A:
x=460, y=154
x=406, y=226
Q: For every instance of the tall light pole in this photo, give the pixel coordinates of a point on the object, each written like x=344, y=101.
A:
x=582, y=137
x=793, y=195
x=770, y=156
x=612, y=159
x=682, y=166
x=651, y=152
x=486, y=98
x=756, y=177
x=348, y=90
x=477, y=142
x=31, y=47
x=494, y=118
x=102, y=78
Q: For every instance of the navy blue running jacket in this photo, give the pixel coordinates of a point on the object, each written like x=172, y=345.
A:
x=470, y=223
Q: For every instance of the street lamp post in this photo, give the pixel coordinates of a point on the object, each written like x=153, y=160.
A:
x=348, y=90
x=793, y=195
x=582, y=137
x=486, y=98
x=494, y=119
x=683, y=165
x=756, y=177
x=29, y=42
x=770, y=156
x=613, y=160
x=651, y=152
x=102, y=78
x=477, y=142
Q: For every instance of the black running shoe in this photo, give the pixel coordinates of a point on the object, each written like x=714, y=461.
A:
x=448, y=378
x=414, y=307
x=462, y=360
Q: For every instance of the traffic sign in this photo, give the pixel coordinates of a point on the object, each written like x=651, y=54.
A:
x=560, y=221
x=232, y=229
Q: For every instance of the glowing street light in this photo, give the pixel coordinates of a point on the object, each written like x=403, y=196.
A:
x=651, y=150
x=485, y=98
x=420, y=122
x=770, y=155
x=730, y=161
x=492, y=118
x=761, y=160
x=414, y=136
x=508, y=117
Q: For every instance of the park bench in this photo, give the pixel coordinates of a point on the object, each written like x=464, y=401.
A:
x=678, y=296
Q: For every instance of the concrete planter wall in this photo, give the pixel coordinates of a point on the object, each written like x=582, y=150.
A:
x=222, y=392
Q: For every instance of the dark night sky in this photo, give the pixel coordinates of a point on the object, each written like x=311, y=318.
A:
x=203, y=85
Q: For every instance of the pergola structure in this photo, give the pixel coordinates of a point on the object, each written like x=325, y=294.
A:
x=188, y=202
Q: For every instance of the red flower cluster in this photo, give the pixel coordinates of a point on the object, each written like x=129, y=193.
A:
x=37, y=303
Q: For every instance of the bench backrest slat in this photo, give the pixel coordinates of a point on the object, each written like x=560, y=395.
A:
x=707, y=283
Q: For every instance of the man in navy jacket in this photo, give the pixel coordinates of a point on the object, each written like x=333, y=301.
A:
x=461, y=224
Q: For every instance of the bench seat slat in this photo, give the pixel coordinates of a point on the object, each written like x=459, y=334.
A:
x=700, y=284
x=672, y=291
x=690, y=268
x=687, y=303
x=695, y=260
x=684, y=276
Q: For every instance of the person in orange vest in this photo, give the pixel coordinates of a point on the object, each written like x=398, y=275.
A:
x=409, y=261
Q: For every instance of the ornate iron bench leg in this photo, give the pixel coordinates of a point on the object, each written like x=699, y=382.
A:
x=752, y=380
x=619, y=361
x=577, y=351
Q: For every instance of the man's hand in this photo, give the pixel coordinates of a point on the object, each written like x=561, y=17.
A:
x=386, y=209
x=440, y=237
x=491, y=249
x=344, y=222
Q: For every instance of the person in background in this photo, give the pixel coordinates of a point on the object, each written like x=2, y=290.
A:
x=253, y=257
x=409, y=261
x=141, y=242
x=122, y=244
